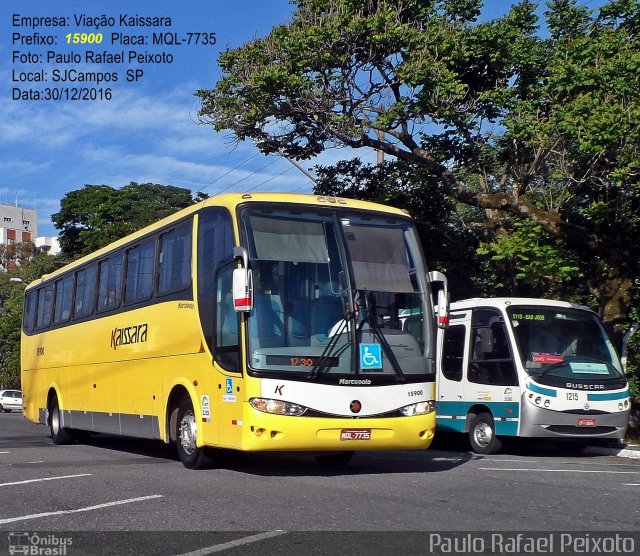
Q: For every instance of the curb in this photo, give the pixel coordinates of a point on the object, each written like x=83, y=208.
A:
x=622, y=452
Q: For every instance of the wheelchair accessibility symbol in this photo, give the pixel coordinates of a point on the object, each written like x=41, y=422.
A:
x=370, y=356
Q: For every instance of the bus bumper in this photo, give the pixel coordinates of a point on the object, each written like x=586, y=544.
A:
x=266, y=432
x=540, y=422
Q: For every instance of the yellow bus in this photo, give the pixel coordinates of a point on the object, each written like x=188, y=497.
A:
x=256, y=322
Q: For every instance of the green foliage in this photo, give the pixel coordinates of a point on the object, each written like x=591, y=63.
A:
x=11, y=301
x=531, y=262
x=96, y=215
x=531, y=127
x=448, y=245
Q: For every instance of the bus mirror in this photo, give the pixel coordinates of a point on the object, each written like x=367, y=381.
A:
x=242, y=290
x=443, y=309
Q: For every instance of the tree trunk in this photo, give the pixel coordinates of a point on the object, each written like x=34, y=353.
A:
x=614, y=297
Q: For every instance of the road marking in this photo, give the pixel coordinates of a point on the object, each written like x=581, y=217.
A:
x=560, y=470
x=4, y=452
x=78, y=510
x=45, y=479
x=233, y=544
x=631, y=484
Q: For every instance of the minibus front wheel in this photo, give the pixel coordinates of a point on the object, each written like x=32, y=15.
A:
x=482, y=434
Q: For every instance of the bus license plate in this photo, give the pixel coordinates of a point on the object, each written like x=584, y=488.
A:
x=355, y=434
x=586, y=422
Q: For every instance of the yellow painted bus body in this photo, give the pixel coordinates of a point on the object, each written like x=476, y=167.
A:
x=122, y=373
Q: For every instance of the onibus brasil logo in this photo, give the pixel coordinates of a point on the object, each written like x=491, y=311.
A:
x=39, y=544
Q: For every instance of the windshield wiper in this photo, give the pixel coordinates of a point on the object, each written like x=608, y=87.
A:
x=371, y=319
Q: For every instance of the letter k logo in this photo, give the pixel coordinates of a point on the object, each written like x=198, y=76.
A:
x=279, y=390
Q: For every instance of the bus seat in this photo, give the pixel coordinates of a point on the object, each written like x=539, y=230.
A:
x=266, y=323
x=325, y=312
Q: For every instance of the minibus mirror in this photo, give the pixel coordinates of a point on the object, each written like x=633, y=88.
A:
x=486, y=340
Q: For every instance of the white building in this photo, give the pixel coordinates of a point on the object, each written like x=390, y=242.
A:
x=47, y=244
x=20, y=225
x=17, y=224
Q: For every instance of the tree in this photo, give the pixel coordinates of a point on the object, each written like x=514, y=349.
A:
x=11, y=302
x=448, y=244
x=542, y=132
x=12, y=256
x=96, y=215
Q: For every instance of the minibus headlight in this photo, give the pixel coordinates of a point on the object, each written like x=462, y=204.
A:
x=420, y=408
x=278, y=407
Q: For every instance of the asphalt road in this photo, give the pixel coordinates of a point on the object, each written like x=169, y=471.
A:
x=124, y=496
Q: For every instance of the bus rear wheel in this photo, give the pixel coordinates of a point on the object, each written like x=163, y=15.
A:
x=482, y=435
x=191, y=456
x=59, y=434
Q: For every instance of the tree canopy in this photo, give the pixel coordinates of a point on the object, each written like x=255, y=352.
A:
x=11, y=301
x=536, y=123
x=96, y=215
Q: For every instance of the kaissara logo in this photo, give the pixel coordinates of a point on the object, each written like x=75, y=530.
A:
x=129, y=335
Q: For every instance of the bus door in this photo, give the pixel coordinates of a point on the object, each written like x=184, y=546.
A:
x=491, y=379
x=451, y=405
x=227, y=398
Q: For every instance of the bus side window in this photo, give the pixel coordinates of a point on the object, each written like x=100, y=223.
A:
x=62, y=310
x=491, y=360
x=139, y=276
x=85, y=292
x=227, y=343
x=30, y=311
x=215, y=249
x=174, y=266
x=453, y=352
x=110, y=283
x=45, y=306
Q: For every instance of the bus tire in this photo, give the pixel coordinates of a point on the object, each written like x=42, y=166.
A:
x=482, y=435
x=335, y=458
x=191, y=456
x=59, y=434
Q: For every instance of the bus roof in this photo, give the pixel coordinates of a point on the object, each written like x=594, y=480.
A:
x=230, y=201
x=502, y=302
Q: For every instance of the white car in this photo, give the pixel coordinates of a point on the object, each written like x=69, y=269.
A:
x=10, y=400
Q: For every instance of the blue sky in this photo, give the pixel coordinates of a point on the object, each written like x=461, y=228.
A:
x=149, y=131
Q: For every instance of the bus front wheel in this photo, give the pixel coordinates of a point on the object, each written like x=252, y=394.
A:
x=482, y=435
x=59, y=434
x=191, y=456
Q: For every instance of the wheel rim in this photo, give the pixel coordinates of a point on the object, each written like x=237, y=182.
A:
x=55, y=420
x=188, y=432
x=483, y=434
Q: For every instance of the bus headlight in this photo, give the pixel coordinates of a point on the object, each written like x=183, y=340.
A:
x=277, y=407
x=420, y=408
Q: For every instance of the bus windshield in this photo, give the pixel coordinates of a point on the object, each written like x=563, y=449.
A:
x=335, y=293
x=560, y=344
